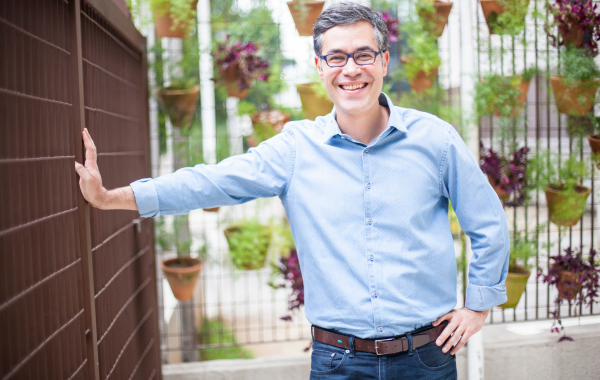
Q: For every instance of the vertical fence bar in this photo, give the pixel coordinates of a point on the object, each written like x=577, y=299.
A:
x=78, y=117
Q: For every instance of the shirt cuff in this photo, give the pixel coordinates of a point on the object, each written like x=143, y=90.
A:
x=481, y=298
x=146, y=197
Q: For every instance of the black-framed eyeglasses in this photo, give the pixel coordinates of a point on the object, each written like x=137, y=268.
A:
x=360, y=58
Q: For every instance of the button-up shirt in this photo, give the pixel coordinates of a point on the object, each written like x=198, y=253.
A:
x=370, y=222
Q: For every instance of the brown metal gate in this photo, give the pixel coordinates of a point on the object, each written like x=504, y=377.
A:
x=77, y=285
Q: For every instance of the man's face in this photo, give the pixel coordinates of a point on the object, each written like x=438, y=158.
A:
x=353, y=88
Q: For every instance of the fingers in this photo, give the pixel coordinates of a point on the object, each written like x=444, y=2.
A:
x=82, y=171
x=445, y=317
x=463, y=340
x=90, y=150
x=446, y=334
x=456, y=336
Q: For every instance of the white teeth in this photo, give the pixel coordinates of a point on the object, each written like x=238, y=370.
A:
x=354, y=86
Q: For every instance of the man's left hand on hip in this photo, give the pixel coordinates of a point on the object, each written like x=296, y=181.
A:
x=462, y=324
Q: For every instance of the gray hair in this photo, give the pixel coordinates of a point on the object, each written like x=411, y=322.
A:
x=346, y=13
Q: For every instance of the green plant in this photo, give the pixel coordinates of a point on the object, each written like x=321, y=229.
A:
x=424, y=54
x=249, y=242
x=214, y=332
x=181, y=11
x=512, y=20
x=521, y=250
x=436, y=101
x=501, y=95
x=557, y=172
x=577, y=65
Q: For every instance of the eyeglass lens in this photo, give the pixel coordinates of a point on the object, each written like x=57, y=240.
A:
x=360, y=57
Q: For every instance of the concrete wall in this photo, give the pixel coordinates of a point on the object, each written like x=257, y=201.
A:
x=516, y=351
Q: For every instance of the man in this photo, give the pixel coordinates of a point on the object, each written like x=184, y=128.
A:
x=366, y=191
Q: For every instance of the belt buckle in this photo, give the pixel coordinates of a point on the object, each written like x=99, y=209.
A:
x=381, y=340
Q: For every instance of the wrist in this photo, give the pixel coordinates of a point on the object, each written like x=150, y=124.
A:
x=103, y=200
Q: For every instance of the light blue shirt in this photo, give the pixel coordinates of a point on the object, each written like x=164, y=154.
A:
x=370, y=222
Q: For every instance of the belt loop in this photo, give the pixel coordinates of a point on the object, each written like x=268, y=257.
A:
x=410, y=344
x=351, y=344
x=312, y=333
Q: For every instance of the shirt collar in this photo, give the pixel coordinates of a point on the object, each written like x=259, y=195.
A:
x=395, y=120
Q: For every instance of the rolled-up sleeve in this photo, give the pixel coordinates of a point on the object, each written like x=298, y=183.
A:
x=265, y=171
x=482, y=218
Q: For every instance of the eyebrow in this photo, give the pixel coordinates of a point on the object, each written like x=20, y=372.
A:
x=362, y=48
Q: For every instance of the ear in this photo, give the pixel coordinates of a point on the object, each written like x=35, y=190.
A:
x=385, y=58
x=318, y=66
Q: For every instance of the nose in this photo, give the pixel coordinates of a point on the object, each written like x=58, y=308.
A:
x=352, y=69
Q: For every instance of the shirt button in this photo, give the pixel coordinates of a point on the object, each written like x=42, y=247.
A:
x=381, y=329
x=371, y=257
x=368, y=185
x=370, y=221
x=374, y=294
x=367, y=150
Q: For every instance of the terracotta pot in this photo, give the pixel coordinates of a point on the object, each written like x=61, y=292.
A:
x=181, y=273
x=594, y=141
x=246, y=265
x=212, y=209
x=516, y=282
x=442, y=12
x=230, y=77
x=576, y=100
x=305, y=19
x=163, y=23
x=574, y=36
x=566, y=210
x=180, y=105
x=568, y=285
x=422, y=81
x=502, y=194
x=313, y=105
x=492, y=9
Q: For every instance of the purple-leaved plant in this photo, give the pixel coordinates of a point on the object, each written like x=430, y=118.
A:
x=289, y=269
x=245, y=54
x=576, y=17
x=506, y=174
x=392, y=24
x=575, y=279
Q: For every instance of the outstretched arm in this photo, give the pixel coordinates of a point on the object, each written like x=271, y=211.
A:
x=90, y=182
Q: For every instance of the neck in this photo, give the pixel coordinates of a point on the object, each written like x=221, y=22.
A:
x=364, y=127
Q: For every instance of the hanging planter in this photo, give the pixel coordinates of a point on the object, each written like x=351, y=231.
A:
x=313, y=103
x=577, y=23
x=494, y=9
x=594, y=141
x=212, y=209
x=438, y=15
x=248, y=244
x=266, y=124
x=565, y=207
x=166, y=25
x=506, y=175
x=239, y=66
x=520, y=99
x=574, y=99
x=516, y=282
x=305, y=14
x=181, y=273
x=180, y=105
x=422, y=80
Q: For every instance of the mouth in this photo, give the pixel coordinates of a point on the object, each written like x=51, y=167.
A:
x=354, y=87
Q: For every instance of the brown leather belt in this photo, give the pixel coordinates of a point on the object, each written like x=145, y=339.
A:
x=380, y=346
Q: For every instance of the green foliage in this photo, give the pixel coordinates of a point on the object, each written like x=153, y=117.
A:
x=435, y=101
x=424, y=53
x=496, y=94
x=512, y=21
x=556, y=172
x=521, y=250
x=181, y=11
x=577, y=65
x=248, y=244
x=214, y=331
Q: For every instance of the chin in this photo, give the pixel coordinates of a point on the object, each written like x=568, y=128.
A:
x=354, y=106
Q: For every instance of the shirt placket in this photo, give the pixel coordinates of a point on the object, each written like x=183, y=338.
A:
x=369, y=254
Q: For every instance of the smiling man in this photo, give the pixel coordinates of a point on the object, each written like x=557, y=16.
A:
x=366, y=191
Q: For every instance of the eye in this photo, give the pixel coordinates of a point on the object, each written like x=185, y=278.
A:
x=338, y=58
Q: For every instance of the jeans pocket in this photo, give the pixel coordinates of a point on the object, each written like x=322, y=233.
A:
x=325, y=361
x=430, y=356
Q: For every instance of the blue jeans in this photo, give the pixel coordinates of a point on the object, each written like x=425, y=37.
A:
x=427, y=362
